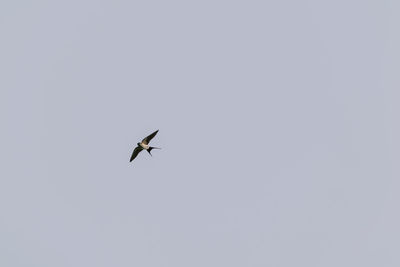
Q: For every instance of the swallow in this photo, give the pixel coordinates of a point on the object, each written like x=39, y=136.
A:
x=144, y=145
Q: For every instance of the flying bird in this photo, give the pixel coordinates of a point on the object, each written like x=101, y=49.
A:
x=144, y=145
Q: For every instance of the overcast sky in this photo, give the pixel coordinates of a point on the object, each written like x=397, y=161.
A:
x=279, y=127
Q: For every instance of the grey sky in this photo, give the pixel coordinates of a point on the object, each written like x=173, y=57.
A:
x=279, y=123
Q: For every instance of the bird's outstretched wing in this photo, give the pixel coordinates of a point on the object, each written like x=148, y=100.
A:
x=147, y=139
x=135, y=152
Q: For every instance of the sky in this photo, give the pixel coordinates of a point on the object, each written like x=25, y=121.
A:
x=278, y=123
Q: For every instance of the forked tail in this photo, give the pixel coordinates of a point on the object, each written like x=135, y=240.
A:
x=151, y=148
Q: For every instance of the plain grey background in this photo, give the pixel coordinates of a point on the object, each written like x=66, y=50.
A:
x=278, y=125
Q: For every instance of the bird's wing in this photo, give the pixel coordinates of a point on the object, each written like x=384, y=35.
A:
x=135, y=152
x=147, y=139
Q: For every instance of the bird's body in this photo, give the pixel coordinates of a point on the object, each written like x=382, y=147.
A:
x=144, y=145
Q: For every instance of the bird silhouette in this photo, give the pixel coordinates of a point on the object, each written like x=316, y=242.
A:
x=144, y=145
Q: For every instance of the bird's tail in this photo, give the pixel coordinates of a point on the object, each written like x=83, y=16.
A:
x=151, y=148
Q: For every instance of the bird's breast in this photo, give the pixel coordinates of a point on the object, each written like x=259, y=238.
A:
x=144, y=146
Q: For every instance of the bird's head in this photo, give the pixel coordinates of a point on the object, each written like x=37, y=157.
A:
x=138, y=144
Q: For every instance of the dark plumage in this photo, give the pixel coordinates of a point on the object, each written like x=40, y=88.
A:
x=144, y=145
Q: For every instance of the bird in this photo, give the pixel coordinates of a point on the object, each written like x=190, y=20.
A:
x=144, y=145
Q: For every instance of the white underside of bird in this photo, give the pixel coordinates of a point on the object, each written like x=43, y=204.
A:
x=144, y=146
